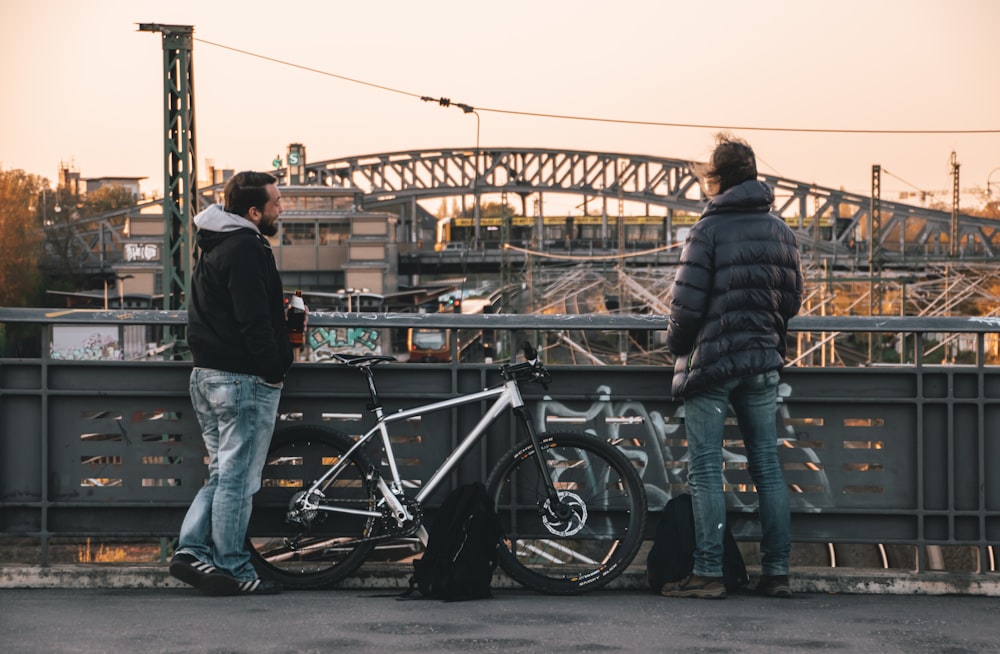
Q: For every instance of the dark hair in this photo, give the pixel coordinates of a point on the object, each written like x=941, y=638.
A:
x=247, y=189
x=732, y=163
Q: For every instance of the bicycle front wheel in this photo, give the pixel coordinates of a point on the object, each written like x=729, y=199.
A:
x=319, y=548
x=586, y=539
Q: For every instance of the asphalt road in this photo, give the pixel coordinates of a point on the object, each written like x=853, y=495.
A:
x=152, y=621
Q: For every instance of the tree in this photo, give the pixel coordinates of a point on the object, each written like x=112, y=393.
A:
x=24, y=202
x=991, y=209
x=64, y=251
x=70, y=230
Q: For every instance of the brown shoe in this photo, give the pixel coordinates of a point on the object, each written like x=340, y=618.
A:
x=697, y=587
x=774, y=586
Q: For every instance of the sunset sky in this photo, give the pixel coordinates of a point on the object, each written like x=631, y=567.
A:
x=82, y=85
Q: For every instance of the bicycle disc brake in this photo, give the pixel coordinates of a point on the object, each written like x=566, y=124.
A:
x=567, y=517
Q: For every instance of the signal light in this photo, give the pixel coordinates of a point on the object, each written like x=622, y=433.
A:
x=453, y=304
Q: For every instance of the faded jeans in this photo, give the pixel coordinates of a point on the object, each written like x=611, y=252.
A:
x=754, y=401
x=237, y=413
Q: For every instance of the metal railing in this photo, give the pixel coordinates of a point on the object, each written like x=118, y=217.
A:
x=886, y=456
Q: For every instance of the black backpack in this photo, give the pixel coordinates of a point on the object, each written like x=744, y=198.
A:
x=461, y=553
x=672, y=555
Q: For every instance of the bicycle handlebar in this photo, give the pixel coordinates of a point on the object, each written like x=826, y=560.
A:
x=531, y=370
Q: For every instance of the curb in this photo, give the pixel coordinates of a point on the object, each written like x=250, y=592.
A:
x=396, y=577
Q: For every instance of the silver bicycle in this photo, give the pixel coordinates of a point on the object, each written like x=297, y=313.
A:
x=572, y=507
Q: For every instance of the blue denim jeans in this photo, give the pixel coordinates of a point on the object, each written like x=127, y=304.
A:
x=237, y=414
x=754, y=401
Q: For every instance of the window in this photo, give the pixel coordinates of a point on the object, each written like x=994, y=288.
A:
x=333, y=233
x=317, y=202
x=298, y=233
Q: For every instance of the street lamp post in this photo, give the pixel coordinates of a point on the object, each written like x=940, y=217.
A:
x=988, y=178
x=121, y=289
x=350, y=294
x=477, y=219
x=346, y=293
x=469, y=109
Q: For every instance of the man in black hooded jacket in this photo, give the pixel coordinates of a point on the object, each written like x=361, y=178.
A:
x=239, y=341
x=738, y=284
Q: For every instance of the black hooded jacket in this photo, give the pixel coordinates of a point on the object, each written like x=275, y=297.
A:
x=738, y=284
x=236, y=313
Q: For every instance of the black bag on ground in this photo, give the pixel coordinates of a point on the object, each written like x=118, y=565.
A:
x=461, y=553
x=672, y=555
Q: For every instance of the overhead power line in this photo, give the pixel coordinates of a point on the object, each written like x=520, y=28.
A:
x=446, y=102
x=307, y=68
x=911, y=184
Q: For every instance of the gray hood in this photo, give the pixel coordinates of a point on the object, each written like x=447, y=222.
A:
x=217, y=219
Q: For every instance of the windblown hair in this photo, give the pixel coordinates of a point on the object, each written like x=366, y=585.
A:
x=732, y=162
x=247, y=189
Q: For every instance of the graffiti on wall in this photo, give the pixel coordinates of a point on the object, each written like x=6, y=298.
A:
x=656, y=445
x=323, y=341
x=86, y=343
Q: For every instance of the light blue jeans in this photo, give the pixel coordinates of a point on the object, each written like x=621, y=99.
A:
x=237, y=414
x=754, y=401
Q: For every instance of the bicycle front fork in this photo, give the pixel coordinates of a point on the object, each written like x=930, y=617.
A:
x=524, y=416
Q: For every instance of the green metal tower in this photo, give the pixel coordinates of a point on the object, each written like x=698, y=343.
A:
x=179, y=161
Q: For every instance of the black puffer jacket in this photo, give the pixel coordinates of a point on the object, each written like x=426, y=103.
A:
x=738, y=283
x=236, y=314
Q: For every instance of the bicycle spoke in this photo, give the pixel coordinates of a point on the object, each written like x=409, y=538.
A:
x=329, y=546
x=593, y=533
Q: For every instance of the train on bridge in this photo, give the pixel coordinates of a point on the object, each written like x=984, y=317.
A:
x=579, y=230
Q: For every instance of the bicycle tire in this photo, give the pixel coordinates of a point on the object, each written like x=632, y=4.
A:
x=297, y=456
x=601, y=537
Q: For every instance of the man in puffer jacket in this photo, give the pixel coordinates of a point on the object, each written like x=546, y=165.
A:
x=738, y=284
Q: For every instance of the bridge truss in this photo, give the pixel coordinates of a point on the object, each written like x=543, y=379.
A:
x=402, y=178
x=834, y=226
x=934, y=291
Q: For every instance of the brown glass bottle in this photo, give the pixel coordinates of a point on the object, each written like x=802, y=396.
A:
x=296, y=320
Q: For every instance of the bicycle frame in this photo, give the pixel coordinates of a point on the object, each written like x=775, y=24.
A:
x=572, y=520
x=505, y=396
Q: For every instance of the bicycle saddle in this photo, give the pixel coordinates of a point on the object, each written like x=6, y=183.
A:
x=359, y=360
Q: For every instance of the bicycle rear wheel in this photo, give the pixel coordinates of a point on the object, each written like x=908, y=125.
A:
x=325, y=549
x=596, y=532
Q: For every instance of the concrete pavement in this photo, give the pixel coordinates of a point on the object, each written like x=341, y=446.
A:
x=169, y=619
x=140, y=608
x=390, y=576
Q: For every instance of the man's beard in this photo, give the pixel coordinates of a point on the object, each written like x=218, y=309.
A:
x=269, y=228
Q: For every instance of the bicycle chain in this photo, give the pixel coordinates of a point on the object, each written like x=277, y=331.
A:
x=386, y=526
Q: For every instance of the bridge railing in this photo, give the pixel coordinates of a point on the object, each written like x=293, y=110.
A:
x=892, y=461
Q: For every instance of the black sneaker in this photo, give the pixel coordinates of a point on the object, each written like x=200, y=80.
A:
x=697, y=587
x=189, y=569
x=223, y=584
x=259, y=587
x=774, y=586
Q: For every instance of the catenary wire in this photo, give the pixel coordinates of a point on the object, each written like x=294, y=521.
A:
x=446, y=102
x=911, y=184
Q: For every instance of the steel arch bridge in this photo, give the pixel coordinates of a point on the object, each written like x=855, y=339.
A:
x=402, y=178
x=827, y=220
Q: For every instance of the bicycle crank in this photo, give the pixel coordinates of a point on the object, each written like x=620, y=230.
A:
x=391, y=526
